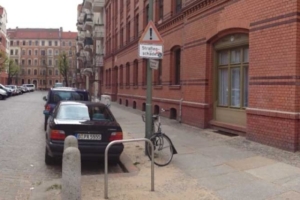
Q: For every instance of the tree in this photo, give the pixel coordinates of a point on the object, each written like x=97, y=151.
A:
x=3, y=61
x=13, y=70
x=63, y=66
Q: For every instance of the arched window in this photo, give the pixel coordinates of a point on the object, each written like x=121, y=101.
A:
x=29, y=71
x=35, y=72
x=121, y=75
x=135, y=72
x=50, y=72
x=175, y=65
x=127, y=74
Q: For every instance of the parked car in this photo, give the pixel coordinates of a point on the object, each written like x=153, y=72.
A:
x=14, y=89
x=21, y=89
x=3, y=94
x=30, y=87
x=91, y=123
x=55, y=95
x=8, y=90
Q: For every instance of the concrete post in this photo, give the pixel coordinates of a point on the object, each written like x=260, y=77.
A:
x=70, y=141
x=71, y=174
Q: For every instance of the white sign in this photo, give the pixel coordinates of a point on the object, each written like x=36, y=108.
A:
x=154, y=64
x=151, y=51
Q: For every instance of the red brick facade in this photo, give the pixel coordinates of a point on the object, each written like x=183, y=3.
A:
x=198, y=28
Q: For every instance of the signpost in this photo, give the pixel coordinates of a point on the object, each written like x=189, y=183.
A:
x=150, y=47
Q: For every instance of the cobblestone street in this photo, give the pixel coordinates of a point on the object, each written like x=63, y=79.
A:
x=22, y=148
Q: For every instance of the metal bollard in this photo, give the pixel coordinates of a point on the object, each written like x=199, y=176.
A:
x=71, y=174
x=70, y=141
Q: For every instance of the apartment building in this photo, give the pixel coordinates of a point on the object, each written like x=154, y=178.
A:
x=4, y=42
x=90, y=45
x=37, y=50
x=228, y=64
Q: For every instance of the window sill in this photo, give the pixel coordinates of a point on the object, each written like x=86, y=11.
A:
x=158, y=87
x=175, y=87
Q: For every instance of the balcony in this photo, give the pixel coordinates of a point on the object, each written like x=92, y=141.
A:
x=98, y=5
x=88, y=44
x=79, y=26
x=99, y=61
x=81, y=17
x=88, y=22
x=88, y=4
x=81, y=35
x=80, y=44
x=99, y=32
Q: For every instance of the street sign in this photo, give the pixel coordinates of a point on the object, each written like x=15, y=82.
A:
x=151, y=51
x=151, y=35
x=154, y=64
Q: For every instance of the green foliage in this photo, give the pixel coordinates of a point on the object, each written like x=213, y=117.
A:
x=63, y=67
x=3, y=61
x=13, y=70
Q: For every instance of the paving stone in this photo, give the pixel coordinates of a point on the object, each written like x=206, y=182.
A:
x=251, y=163
x=290, y=195
x=274, y=172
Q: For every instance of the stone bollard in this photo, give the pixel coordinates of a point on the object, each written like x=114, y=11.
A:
x=70, y=141
x=71, y=170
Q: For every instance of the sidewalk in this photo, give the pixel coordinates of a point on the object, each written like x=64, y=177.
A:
x=231, y=167
x=208, y=166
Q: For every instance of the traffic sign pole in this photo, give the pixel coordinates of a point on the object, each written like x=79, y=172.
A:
x=149, y=87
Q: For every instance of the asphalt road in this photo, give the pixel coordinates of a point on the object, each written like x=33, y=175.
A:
x=22, y=148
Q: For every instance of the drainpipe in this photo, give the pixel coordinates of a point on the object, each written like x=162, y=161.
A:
x=180, y=115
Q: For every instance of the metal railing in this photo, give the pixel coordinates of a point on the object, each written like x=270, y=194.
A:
x=106, y=162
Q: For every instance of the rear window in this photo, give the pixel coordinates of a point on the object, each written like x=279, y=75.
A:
x=83, y=112
x=58, y=96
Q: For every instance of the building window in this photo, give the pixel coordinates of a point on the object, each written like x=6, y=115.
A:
x=50, y=82
x=63, y=43
x=50, y=72
x=122, y=37
x=175, y=65
x=43, y=43
x=158, y=74
x=56, y=63
x=135, y=72
x=127, y=74
x=29, y=71
x=43, y=53
x=56, y=52
x=36, y=43
x=35, y=52
x=233, y=77
x=29, y=52
x=11, y=52
x=50, y=62
x=11, y=43
x=50, y=52
x=23, y=52
x=28, y=81
x=70, y=43
x=56, y=43
x=44, y=82
x=121, y=75
x=56, y=72
x=23, y=62
x=30, y=42
x=146, y=15
x=50, y=43
x=136, y=26
x=41, y=82
x=17, y=61
x=128, y=33
x=29, y=62
x=43, y=62
x=17, y=52
x=177, y=6
x=24, y=43
x=56, y=81
x=144, y=77
x=160, y=10
x=35, y=62
x=18, y=43
x=35, y=72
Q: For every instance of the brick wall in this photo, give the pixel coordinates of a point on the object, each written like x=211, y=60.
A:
x=272, y=27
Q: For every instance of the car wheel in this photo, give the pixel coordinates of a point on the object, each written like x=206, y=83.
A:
x=48, y=159
x=45, y=124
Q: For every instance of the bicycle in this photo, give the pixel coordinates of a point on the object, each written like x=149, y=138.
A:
x=160, y=142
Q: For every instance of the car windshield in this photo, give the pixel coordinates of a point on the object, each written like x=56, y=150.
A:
x=83, y=112
x=58, y=96
x=73, y=112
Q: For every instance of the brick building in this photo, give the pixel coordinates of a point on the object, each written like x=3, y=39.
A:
x=37, y=50
x=4, y=43
x=228, y=64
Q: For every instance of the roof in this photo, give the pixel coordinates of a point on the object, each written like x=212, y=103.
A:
x=39, y=33
x=67, y=89
x=69, y=35
x=88, y=103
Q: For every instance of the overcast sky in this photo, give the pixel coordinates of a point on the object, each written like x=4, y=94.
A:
x=42, y=13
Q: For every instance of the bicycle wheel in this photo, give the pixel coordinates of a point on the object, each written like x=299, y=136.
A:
x=163, y=150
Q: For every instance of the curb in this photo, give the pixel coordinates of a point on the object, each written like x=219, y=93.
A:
x=127, y=164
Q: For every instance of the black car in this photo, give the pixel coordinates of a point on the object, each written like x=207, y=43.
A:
x=91, y=123
x=56, y=95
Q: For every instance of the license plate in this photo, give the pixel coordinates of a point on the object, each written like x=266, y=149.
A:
x=89, y=136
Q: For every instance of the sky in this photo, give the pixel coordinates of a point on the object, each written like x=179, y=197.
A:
x=42, y=13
